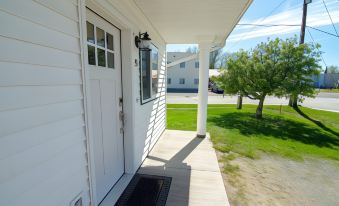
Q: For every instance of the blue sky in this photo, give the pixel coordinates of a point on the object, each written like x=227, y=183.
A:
x=284, y=12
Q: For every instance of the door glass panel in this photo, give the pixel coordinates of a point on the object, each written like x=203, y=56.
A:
x=110, y=60
x=90, y=32
x=109, y=39
x=91, y=55
x=100, y=37
x=101, y=58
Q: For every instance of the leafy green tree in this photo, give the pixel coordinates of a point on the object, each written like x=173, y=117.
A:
x=304, y=61
x=332, y=69
x=214, y=58
x=271, y=68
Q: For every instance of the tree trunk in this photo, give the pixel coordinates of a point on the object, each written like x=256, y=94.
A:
x=295, y=101
x=239, y=102
x=260, y=107
x=290, y=101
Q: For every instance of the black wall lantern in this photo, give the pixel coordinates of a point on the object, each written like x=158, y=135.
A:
x=142, y=41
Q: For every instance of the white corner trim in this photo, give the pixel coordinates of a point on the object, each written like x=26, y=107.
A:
x=86, y=101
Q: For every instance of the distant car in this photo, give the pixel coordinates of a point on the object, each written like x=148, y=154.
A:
x=216, y=89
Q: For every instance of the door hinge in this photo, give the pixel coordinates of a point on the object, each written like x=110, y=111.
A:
x=120, y=101
x=122, y=117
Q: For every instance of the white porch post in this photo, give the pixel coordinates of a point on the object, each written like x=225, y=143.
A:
x=204, y=52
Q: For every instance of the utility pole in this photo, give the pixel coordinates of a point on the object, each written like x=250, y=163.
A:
x=303, y=22
x=293, y=102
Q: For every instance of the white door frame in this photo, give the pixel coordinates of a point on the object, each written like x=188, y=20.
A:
x=126, y=77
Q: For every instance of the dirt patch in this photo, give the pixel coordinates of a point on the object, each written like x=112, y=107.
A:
x=274, y=180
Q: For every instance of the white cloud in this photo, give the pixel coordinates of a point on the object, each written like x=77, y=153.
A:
x=317, y=16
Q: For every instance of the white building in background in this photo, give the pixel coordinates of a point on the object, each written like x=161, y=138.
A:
x=183, y=72
x=326, y=80
x=183, y=75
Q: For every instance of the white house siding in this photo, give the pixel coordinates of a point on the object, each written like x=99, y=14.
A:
x=42, y=133
x=189, y=73
x=150, y=121
x=42, y=129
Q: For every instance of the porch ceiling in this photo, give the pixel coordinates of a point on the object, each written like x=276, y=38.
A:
x=193, y=21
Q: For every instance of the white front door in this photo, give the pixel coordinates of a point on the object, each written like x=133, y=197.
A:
x=104, y=69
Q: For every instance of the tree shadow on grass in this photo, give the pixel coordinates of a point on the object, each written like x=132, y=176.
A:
x=277, y=127
x=317, y=122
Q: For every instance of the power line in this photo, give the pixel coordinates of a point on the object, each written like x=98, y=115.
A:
x=329, y=15
x=273, y=10
x=288, y=25
x=269, y=25
x=323, y=31
x=321, y=55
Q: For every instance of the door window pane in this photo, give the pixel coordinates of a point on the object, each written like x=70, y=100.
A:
x=90, y=32
x=100, y=37
x=109, y=39
x=101, y=58
x=110, y=59
x=91, y=55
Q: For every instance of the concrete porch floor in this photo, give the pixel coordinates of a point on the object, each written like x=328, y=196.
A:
x=192, y=163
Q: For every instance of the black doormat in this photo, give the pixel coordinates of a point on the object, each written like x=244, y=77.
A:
x=146, y=190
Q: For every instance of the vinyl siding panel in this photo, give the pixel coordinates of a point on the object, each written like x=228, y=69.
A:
x=151, y=117
x=66, y=8
x=13, y=50
x=37, y=75
x=44, y=95
x=42, y=133
x=39, y=14
x=37, y=135
x=36, y=34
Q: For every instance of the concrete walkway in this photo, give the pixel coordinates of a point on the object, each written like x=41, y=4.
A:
x=193, y=166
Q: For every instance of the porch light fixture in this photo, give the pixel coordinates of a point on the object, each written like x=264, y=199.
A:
x=142, y=41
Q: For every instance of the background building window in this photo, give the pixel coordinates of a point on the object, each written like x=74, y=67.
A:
x=182, y=64
x=196, y=81
x=197, y=65
x=169, y=81
x=182, y=81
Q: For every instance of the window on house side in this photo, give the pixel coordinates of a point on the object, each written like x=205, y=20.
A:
x=169, y=81
x=196, y=81
x=183, y=65
x=182, y=81
x=197, y=65
x=149, y=71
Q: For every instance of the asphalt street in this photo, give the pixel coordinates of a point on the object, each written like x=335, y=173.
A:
x=323, y=101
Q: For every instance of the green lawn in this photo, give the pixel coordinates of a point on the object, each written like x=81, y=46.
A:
x=292, y=134
x=330, y=90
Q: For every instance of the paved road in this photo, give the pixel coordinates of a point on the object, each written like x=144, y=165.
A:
x=324, y=101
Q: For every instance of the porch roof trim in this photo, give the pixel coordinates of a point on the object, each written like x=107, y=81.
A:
x=193, y=21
